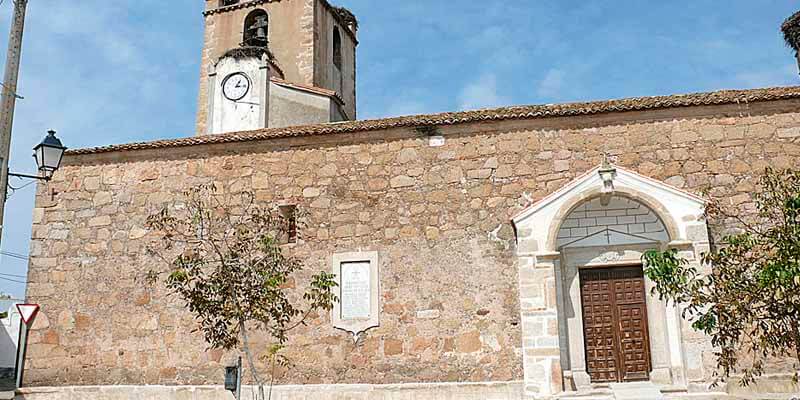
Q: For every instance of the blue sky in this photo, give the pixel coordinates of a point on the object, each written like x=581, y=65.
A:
x=116, y=71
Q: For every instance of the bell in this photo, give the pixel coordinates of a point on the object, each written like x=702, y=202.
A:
x=261, y=34
x=259, y=31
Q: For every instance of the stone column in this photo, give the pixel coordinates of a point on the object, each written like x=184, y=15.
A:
x=580, y=376
x=657, y=315
x=687, y=345
x=538, y=301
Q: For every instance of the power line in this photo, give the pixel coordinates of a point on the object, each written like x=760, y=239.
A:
x=12, y=280
x=14, y=255
x=13, y=276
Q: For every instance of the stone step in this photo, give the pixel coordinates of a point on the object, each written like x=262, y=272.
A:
x=636, y=391
x=596, y=394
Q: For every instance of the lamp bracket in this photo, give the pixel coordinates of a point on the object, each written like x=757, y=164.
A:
x=37, y=177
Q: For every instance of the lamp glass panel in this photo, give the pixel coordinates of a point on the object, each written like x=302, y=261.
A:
x=38, y=154
x=51, y=157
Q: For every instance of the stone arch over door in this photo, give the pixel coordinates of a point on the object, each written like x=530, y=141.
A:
x=551, y=257
x=608, y=236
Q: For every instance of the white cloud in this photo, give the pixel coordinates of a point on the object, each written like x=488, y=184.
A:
x=482, y=93
x=552, y=84
x=98, y=72
x=787, y=75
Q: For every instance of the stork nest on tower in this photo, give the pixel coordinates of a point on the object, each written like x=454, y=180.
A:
x=347, y=16
x=791, y=31
x=248, y=51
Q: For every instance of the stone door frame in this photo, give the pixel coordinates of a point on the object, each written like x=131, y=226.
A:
x=547, y=335
x=663, y=319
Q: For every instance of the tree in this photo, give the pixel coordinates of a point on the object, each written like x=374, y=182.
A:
x=4, y=313
x=224, y=258
x=749, y=304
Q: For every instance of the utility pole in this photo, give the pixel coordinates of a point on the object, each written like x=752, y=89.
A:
x=8, y=99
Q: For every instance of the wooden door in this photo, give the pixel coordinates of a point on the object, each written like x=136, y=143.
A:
x=615, y=324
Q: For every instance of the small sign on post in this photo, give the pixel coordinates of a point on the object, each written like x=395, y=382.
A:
x=27, y=313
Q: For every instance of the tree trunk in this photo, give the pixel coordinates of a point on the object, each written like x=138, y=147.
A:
x=246, y=349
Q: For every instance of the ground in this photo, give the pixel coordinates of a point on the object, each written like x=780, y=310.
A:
x=6, y=379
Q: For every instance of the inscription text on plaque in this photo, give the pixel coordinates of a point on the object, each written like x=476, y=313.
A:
x=356, y=290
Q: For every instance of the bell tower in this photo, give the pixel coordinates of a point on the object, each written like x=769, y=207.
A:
x=275, y=63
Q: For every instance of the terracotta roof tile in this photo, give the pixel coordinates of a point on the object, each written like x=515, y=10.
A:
x=462, y=117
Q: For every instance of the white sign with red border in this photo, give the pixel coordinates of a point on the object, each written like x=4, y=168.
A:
x=28, y=312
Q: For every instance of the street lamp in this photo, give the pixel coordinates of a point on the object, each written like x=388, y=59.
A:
x=48, y=155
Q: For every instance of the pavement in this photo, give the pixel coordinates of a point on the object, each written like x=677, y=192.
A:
x=6, y=383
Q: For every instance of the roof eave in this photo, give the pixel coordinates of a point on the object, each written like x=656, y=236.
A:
x=463, y=117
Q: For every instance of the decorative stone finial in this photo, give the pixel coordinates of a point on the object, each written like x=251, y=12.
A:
x=607, y=174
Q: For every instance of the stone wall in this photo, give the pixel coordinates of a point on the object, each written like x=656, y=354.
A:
x=439, y=216
x=325, y=74
x=291, y=107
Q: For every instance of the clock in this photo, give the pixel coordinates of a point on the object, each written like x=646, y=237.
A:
x=236, y=86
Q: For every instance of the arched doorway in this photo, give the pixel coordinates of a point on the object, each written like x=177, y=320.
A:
x=588, y=317
x=614, y=330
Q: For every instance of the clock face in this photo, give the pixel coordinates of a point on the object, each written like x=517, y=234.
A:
x=236, y=86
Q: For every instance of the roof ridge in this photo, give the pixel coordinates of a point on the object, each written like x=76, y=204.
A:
x=308, y=88
x=521, y=112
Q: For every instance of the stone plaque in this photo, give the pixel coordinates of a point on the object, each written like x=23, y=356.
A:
x=358, y=280
x=356, y=290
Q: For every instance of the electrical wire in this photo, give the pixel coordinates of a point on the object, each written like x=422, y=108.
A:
x=14, y=255
x=11, y=253
x=10, y=277
x=12, y=280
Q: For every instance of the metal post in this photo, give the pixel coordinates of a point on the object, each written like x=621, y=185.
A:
x=8, y=97
x=239, y=380
x=22, y=347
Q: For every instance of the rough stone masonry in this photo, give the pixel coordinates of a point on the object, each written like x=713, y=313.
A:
x=439, y=217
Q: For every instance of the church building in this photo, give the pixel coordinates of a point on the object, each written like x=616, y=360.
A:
x=489, y=254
